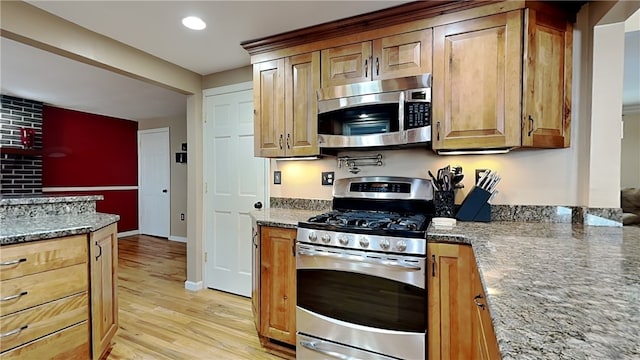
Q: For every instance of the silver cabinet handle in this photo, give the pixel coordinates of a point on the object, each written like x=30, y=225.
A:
x=14, y=331
x=366, y=67
x=475, y=301
x=13, y=262
x=363, y=259
x=14, y=296
x=314, y=347
x=531, y=122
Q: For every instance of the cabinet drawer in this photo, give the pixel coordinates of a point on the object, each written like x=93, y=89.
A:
x=69, y=344
x=31, y=290
x=34, y=257
x=36, y=322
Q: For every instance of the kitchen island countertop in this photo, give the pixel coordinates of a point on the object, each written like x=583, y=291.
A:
x=555, y=291
x=24, y=229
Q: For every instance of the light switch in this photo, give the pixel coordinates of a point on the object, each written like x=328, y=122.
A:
x=277, y=177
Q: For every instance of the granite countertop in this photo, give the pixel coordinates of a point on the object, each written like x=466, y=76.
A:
x=31, y=199
x=555, y=291
x=26, y=229
x=285, y=218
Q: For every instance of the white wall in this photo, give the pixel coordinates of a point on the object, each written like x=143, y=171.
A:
x=532, y=177
x=630, y=164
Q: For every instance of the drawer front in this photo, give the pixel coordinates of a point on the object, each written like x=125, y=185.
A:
x=36, y=322
x=31, y=290
x=34, y=257
x=69, y=344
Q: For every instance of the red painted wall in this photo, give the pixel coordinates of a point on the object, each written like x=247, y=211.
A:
x=88, y=150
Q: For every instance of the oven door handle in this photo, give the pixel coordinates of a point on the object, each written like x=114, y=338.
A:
x=388, y=263
x=313, y=346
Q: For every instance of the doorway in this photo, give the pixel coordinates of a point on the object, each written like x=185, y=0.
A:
x=234, y=180
x=153, y=182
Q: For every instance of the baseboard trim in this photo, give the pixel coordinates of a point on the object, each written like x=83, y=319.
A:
x=193, y=285
x=182, y=239
x=128, y=233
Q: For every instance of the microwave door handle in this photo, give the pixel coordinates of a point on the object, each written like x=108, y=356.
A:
x=374, y=261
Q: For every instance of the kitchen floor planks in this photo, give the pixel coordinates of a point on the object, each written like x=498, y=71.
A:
x=159, y=319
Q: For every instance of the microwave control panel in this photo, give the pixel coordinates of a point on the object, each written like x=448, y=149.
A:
x=417, y=114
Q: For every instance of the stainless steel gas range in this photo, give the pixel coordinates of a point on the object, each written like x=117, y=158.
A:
x=361, y=272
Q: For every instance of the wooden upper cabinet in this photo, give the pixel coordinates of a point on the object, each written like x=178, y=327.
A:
x=346, y=64
x=302, y=79
x=286, y=107
x=268, y=100
x=503, y=81
x=546, y=81
x=389, y=57
x=477, y=71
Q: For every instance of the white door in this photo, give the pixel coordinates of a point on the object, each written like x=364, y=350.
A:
x=153, y=182
x=234, y=180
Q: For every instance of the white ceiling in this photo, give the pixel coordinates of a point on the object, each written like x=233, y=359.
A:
x=154, y=27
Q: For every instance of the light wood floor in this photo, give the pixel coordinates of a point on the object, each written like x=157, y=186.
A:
x=159, y=319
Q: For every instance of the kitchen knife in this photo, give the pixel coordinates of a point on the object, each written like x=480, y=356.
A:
x=495, y=182
x=484, y=176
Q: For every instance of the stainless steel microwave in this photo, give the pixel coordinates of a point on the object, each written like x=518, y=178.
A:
x=375, y=113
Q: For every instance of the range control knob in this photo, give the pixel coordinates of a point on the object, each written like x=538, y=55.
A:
x=384, y=243
x=364, y=242
x=343, y=240
x=401, y=245
x=326, y=238
x=312, y=236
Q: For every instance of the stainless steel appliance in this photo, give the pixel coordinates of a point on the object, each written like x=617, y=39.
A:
x=361, y=272
x=375, y=113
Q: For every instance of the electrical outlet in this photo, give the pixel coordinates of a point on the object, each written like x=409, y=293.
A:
x=479, y=173
x=328, y=177
x=277, y=177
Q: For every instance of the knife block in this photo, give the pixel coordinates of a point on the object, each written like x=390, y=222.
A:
x=475, y=206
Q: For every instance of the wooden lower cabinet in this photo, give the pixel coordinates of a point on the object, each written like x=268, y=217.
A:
x=277, y=313
x=59, y=297
x=103, y=245
x=485, y=344
x=458, y=328
x=69, y=344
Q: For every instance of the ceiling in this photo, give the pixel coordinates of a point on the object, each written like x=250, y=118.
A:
x=154, y=27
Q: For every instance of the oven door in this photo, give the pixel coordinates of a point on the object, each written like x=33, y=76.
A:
x=372, y=301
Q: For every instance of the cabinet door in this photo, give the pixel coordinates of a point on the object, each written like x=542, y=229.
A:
x=546, y=99
x=268, y=100
x=278, y=284
x=485, y=345
x=255, y=276
x=402, y=55
x=477, y=67
x=450, y=301
x=103, y=247
x=346, y=64
x=302, y=79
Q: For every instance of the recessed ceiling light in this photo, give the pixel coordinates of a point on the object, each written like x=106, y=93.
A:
x=194, y=23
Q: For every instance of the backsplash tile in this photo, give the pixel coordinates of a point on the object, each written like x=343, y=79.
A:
x=20, y=174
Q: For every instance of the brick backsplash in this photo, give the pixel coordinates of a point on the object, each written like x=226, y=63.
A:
x=20, y=174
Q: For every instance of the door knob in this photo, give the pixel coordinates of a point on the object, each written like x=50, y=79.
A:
x=164, y=190
x=258, y=205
